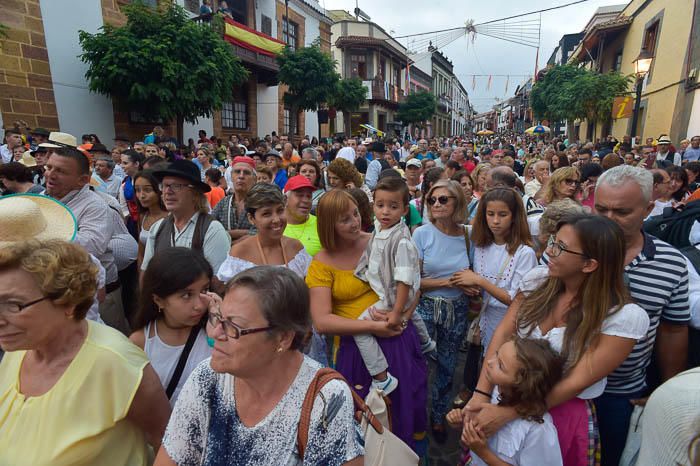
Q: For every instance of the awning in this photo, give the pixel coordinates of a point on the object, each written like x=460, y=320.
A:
x=243, y=36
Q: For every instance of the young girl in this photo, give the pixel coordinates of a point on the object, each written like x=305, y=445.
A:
x=502, y=255
x=523, y=372
x=150, y=206
x=172, y=313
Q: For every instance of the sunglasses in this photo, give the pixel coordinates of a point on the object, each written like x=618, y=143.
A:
x=442, y=200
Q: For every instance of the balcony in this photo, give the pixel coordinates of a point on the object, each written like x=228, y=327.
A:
x=256, y=50
x=383, y=91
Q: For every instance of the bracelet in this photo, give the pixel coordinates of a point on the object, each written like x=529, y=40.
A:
x=481, y=392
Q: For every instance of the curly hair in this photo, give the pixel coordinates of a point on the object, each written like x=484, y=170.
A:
x=63, y=271
x=346, y=171
x=540, y=369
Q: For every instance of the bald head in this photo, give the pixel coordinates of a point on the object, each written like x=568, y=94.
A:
x=500, y=177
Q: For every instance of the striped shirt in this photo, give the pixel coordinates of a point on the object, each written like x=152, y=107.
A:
x=658, y=282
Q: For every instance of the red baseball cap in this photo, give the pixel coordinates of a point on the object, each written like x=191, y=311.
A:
x=244, y=159
x=298, y=182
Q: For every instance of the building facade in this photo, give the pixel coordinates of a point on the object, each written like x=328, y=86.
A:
x=460, y=111
x=364, y=50
x=442, y=89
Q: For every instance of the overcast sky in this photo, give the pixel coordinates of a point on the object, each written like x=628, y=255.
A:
x=486, y=55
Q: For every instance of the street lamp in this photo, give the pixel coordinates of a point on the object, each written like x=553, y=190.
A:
x=642, y=65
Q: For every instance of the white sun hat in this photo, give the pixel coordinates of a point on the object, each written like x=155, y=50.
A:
x=34, y=216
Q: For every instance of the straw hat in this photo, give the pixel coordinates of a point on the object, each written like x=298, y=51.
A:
x=27, y=160
x=34, y=216
x=58, y=139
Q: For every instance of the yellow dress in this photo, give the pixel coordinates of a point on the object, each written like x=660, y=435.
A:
x=81, y=420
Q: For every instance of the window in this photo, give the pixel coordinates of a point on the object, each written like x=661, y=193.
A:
x=289, y=32
x=359, y=66
x=650, y=36
x=618, y=62
x=192, y=6
x=289, y=120
x=234, y=114
x=266, y=25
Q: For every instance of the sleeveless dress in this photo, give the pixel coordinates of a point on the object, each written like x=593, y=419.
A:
x=164, y=357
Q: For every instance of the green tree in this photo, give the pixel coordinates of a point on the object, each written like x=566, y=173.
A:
x=310, y=76
x=349, y=95
x=569, y=92
x=417, y=108
x=162, y=65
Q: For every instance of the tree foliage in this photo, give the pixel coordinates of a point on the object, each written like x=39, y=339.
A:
x=569, y=92
x=417, y=108
x=349, y=95
x=310, y=76
x=162, y=64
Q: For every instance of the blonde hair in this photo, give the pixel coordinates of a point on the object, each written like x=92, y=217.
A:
x=476, y=172
x=460, y=206
x=63, y=271
x=549, y=192
x=331, y=206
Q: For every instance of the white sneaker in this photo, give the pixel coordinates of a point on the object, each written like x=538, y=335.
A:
x=388, y=385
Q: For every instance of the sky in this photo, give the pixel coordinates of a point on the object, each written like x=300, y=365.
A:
x=485, y=55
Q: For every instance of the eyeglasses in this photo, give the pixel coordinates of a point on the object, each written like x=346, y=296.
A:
x=14, y=308
x=174, y=187
x=443, y=200
x=570, y=181
x=557, y=248
x=232, y=330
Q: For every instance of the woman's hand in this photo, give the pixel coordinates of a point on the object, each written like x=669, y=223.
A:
x=472, y=290
x=491, y=418
x=386, y=330
x=465, y=278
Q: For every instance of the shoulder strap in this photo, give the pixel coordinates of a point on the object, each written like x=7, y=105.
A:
x=468, y=244
x=164, y=233
x=200, y=231
x=177, y=375
x=322, y=377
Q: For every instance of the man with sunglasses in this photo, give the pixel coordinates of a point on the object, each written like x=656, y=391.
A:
x=189, y=223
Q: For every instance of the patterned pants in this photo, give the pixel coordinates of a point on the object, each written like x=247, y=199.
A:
x=446, y=322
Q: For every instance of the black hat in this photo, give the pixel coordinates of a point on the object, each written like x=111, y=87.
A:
x=378, y=147
x=183, y=169
x=40, y=132
x=99, y=148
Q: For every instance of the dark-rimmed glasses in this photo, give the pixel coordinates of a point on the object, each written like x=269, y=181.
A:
x=443, y=200
x=232, y=330
x=15, y=308
x=174, y=187
x=557, y=248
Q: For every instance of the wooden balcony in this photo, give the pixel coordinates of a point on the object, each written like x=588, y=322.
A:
x=385, y=92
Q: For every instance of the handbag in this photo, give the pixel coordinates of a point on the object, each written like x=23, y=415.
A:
x=382, y=448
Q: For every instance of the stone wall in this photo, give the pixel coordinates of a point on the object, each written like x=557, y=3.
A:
x=26, y=87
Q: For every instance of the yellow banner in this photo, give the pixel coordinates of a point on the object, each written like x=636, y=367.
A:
x=255, y=41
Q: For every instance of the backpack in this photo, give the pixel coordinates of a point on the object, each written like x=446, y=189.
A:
x=673, y=226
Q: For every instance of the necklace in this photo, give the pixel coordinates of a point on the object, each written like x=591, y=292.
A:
x=262, y=253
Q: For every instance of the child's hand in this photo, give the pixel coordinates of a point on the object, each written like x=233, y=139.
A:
x=475, y=440
x=395, y=319
x=455, y=418
x=465, y=278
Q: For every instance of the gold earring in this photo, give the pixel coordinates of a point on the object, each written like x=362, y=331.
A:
x=279, y=349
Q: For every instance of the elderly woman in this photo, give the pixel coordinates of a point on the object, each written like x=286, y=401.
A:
x=337, y=300
x=563, y=183
x=230, y=211
x=311, y=170
x=243, y=406
x=88, y=393
x=442, y=250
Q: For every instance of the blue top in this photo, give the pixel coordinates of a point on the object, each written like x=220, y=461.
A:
x=281, y=178
x=442, y=256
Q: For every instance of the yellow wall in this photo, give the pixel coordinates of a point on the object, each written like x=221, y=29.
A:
x=668, y=66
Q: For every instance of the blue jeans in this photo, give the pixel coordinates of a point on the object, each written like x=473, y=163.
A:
x=446, y=322
x=614, y=412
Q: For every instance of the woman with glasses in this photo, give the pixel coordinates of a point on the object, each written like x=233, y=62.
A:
x=563, y=182
x=243, y=406
x=578, y=302
x=443, y=306
x=171, y=315
x=72, y=392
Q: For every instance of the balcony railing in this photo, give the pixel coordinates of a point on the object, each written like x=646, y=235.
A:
x=378, y=89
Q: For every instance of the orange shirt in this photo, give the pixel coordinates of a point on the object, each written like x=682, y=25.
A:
x=291, y=161
x=214, y=196
x=694, y=197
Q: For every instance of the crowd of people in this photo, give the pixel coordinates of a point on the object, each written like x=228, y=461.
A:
x=165, y=304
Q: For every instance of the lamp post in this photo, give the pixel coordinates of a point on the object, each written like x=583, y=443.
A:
x=641, y=67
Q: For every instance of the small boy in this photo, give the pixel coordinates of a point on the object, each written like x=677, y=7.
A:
x=391, y=266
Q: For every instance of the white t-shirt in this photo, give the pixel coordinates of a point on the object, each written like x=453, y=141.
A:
x=631, y=321
x=505, y=271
